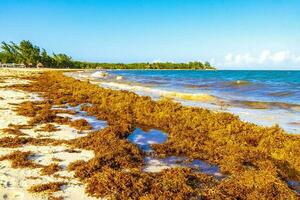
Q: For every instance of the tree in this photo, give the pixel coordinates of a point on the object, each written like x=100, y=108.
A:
x=29, y=54
x=8, y=54
x=46, y=60
x=62, y=60
x=24, y=53
x=207, y=65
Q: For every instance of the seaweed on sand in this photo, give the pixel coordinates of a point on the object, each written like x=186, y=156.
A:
x=14, y=142
x=251, y=184
x=110, y=151
x=20, y=159
x=50, y=169
x=49, y=128
x=179, y=183
x=55, y=159
x=47, y=187
x=81, y=124
x=13, y=130
x=40, y=113
x=55, y=198
x=257, y=160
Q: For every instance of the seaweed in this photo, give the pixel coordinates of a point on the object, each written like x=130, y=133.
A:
x=177, y=183
x=14, y=142
x=49, y=128
x=20, y=159
x=55, y=198
x=50, y=169
x=13, y=130
x=56, y=159
x=47, y=187
x=81, y=124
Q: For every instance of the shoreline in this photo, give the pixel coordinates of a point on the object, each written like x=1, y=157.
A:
x=193, y=132
x=270, y=112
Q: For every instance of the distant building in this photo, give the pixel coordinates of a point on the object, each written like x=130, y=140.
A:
x=12, y=65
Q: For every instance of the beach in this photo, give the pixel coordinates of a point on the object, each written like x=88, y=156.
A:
x=15, y=182
x=90, y=142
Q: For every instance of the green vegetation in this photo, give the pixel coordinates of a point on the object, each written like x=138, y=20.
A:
x=31, y=56
x=158, y=65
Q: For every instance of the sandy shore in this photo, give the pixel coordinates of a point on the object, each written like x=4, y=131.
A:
x=14, y=183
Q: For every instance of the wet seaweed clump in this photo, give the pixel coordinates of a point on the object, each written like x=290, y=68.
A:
x=110, y=151
x=49, y=128
x=177, y=183
x=20, y=159
x=81, y=124
x=28, y=109
x=40, y=113
x=14, y=142
x=251, y=185
x=55, y=198
x=13, y=130
x=50, y=169
x=56, y=159
x=47, y=187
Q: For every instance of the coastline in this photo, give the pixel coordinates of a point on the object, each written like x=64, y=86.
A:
x=261, y=112
x=219, y=127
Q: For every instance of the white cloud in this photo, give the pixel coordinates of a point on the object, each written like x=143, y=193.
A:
x=280, y=56
x=265, y=58
x=228, y=57
x=238, y=59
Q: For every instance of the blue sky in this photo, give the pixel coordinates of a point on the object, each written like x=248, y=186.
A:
x=231, y=34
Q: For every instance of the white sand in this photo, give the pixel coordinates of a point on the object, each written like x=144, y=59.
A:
x=14, y=183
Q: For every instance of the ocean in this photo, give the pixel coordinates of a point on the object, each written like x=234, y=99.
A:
x=261, y=97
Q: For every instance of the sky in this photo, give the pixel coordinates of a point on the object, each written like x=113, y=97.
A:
x=230, y=34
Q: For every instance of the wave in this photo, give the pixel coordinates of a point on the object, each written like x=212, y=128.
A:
x=266, y=105
x=99, y=74
x=201, y=97
x=238, y=83
x=282, y=94
x=196, y=86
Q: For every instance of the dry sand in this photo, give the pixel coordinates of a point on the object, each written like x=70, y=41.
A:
x=14, y=183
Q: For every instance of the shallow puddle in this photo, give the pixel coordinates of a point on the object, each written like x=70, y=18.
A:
x=295, y=185
x=94, y=122
x=144, y=139
x=156, y=165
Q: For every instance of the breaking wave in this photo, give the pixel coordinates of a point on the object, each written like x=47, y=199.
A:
x=201, y=97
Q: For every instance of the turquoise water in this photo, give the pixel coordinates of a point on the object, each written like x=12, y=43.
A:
x=267, y=86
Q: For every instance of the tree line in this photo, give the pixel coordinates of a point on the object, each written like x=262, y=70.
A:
x=32, y=56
